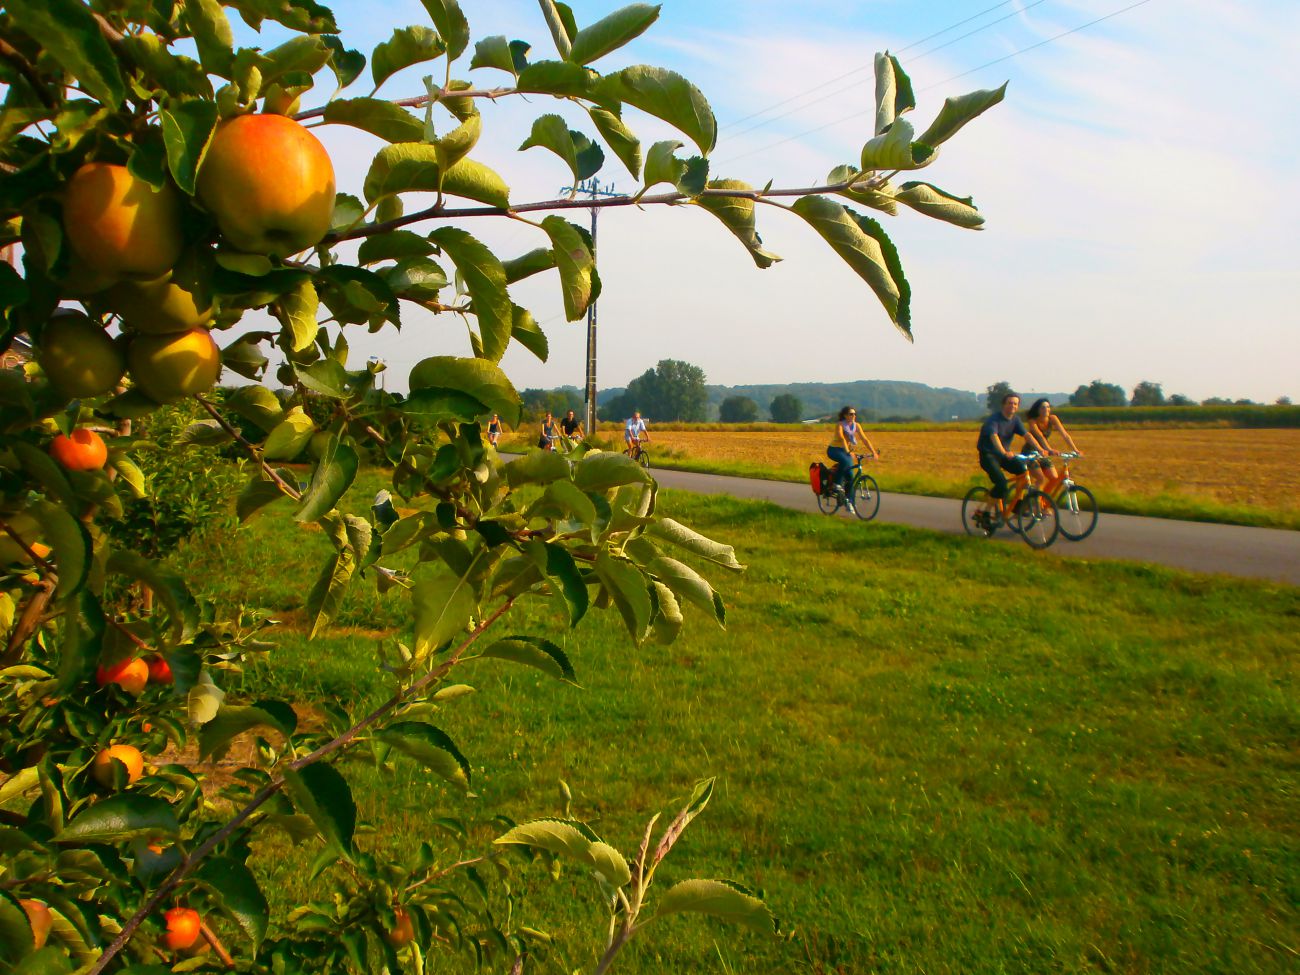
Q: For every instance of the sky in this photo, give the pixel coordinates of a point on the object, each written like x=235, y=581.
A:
x=1139, y=183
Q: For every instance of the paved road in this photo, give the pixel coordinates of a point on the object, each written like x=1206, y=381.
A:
x=1263, y=553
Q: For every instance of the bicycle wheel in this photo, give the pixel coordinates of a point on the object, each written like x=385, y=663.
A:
x=865, y=497
x=1036, y=519
x=978, y=515
x=827, y=504
x=643, y=458
x=1076, y=511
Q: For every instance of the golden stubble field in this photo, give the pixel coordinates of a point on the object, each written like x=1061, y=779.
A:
x=1229, y=466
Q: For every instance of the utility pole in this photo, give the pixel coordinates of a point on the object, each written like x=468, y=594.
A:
x=591, y=187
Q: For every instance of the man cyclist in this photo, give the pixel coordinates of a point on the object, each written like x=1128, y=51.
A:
x=994, y=446
x=634, y=434
x=571, y=427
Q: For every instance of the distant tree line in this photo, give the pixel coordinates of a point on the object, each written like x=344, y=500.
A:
x=1145, y=393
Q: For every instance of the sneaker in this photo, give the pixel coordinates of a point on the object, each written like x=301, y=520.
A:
x=849, y=505
x=838, y=492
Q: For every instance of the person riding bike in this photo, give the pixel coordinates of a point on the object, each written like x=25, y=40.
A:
x=843, y=446
x=571, y=427
x=550, y=433
x=635, y=433
x=494, y=429
x=994, y=446
x=1043, y=422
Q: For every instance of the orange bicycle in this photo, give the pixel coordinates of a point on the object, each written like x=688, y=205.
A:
x=1032, y=513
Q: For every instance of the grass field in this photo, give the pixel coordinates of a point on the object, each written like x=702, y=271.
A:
x=1209, y=474
x=933, y=755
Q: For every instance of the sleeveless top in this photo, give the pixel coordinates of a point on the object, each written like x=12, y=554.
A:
x=850, y=434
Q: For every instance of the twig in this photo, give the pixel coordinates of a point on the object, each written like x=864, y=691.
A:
x=211, y=938
x=14, y=57
x=419, y=101
x=252, y=451
x=271, y=788
x=28, y=621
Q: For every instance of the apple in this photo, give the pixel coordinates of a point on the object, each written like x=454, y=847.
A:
x=160, y=306
x=79, y=357
x=269, y=183
x=131, y=675
x=38, y=916
x=160, y=672
x=184, y=927
x=402, y=933
x=82, y=450
x=170, y=367
x=127, y=755
x=119, y=225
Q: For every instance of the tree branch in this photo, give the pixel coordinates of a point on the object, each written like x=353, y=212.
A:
x=271, y=788
x=24, y=67
x=419, y=101
x=253, y=452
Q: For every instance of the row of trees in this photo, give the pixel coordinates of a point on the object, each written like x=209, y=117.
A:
x=1145, y=393
x=785, y=408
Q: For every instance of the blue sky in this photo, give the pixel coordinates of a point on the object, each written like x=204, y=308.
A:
x=1139, y=183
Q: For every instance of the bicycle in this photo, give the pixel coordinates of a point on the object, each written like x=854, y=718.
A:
x=1033, y=513
x=639, y=454
x=864, y=493
x=1075, y=505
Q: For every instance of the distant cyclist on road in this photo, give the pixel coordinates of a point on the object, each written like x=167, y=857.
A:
x=494, y=429
x=635, y=433
x=843, y=446
x=550, y=433
x=571, y=427
x=994, y=446
x=1043, y=423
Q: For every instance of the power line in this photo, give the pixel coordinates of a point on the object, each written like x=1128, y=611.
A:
x=923, y=54
x=986, y=64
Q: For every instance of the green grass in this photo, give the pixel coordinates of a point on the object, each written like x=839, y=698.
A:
x=933, y=754
x=1163, y=505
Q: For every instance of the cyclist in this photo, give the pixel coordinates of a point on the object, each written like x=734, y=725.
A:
x=634, y=434
x=1043, y=422
x=494, y=429
x=995, y=453
x=550, y=433
x=571, y=427
x=843, y=446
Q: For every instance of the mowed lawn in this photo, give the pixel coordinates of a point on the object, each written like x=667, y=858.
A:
x=933, y=754
x=1211, y=474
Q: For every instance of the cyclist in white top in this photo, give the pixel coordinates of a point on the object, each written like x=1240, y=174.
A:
x=634, y=432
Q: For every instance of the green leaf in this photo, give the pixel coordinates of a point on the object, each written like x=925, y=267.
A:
x=893, y=91
x=609, y=864
x=203, y=703
x=393, y=245
x=245, y=357
x=169, y=74
x=296, y=311
x=71, y=544
x=737, y=215
x=558, y=78
x=896, y=150
x=237, y=895
x=619, y=137
x=326, y=377
x=215, y=736
x=290, y=436
x=563, y=837
x=478, y=378
x=692, y=541
x=485, y=280
x=330, y=480
x=666, y=621
x=576, y=263
x=443, y=607
x=627, y=587
x=533, y=652
x=346, y=64
x=956, y=112
x=169, y=588
x=69, y=36
x=456, y=145
x=602, y=470
x=257, y=494
x=561, y=567
x=415, y=279
x=322, y=793
x=860, y=250
x=407, y=46
x=120, y=817
x=538, y=467
x=258, y=405
x=721, y=899
x=933, y=202
x=390, y=122
x=583, y=157
x=213, y=37
x=526, y=265
x=666, y=95
x=187, y=130
x=688, y=584
x=562, y=29
x=451, y=24
x=327, y=592
x=494, y=52
x=525, y=330
x=879, y=196
x=437, y=405
x=612, y=32
x=429, y=746
x=45, y=471
x=410, y=167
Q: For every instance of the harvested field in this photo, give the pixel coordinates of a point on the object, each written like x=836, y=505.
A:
x=1241, y=469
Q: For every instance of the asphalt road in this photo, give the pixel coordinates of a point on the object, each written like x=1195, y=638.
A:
x=1261, y=553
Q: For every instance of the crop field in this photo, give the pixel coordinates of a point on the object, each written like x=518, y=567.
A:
x=919, y=779
x=1210, y=474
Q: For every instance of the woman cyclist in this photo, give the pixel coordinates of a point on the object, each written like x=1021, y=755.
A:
x=550, y=433
x=844, y=444
x=1043, y=422
x=494, y=429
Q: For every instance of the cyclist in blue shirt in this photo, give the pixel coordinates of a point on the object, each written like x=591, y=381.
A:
x=550, y=433
x=994, y=446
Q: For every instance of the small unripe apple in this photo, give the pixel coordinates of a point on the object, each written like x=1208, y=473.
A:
x=127, y=755
x=80, y=359
x=130, y=675
x=170, y=367
x=160, y=306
